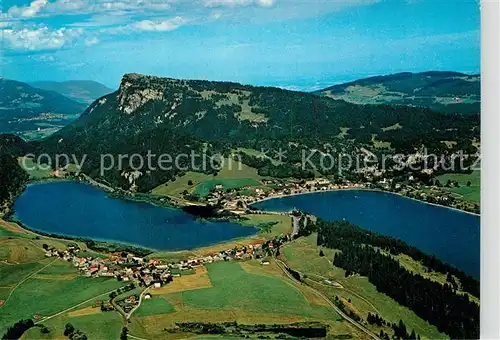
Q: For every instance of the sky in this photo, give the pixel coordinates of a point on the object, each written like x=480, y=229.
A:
x=296, y=44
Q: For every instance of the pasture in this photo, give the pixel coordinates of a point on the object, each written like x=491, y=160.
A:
x=49, y=296
x=234, y=173
x=245, y=292
x=204, y=188
x=470, y=193
x=153, y=306
x=96, y=325
x=234, y=288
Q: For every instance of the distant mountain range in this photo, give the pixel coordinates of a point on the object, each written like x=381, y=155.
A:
x=173, y=116
x=24, y=109
x=448, y=92
x=83, y=91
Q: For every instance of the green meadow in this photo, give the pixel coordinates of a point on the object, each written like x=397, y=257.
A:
x=107, y=325
x=234, y=288
x=46, y=297
x=153, y=306
x=470, y=193
x=204, y=188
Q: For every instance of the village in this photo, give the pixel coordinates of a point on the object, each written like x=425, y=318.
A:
x=238, y=201
x=155, y=273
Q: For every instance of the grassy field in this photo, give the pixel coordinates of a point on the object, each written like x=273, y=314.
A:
x=49, y=296
x=34, y=170
x=246, y=292
x=235, y=288
x=203, y=189
x=233, y=173
x=153, y=306
x=303, y=255
x=19, y=250
x=96, y=325
x=472, y=192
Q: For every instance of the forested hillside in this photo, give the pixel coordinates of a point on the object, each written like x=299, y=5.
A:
x=173, y=116
x=12, y=178
x=451, y=312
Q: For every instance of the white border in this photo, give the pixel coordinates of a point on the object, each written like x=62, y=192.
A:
x=490, y=184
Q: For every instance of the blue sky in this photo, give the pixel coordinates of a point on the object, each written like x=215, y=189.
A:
x=303, y=44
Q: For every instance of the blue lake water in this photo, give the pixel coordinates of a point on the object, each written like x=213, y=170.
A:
x=452, y=236
x=80, y=210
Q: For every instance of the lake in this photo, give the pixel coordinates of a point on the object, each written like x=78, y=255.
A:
x=80, y=210
x=452, y=236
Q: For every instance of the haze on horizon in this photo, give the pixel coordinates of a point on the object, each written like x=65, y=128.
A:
x=295, y=44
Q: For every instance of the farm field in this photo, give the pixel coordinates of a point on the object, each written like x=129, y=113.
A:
x=35, y=171
x=45, y=297
x=303, y=255
x=247, y=292
x=472, y=192
x=233, y=174
x=203, y=189
x=32, y=284
x=153, y=306
x=90, y=320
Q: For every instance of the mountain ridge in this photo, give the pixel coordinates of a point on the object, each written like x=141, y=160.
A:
x=83, y=91
x=444, y=91
x=167, y=115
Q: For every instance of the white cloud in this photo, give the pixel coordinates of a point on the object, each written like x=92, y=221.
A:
x=28, y=11
x=160, y=26
x=41, y=38
x=91, y=41
x=235, y=3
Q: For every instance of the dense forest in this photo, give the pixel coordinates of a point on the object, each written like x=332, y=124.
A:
x=175, y=116
x=13, y=180
x=452, y=313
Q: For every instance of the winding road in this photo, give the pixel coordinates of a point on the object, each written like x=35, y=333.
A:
x=283, y=266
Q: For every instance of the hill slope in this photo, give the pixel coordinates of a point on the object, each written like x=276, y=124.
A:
x=82, y=91
x=173, y=116
x=24, y=108
x=440, y=91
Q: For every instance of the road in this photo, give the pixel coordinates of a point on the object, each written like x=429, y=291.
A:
x=73, y=307
x=129, y=314
x=296, y=225
x=23, y=280
x=282, y=265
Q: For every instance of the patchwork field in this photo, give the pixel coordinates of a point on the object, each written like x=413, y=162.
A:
x=246, y=292
x=90, y=320
x=31, y=284
x=303, y=255
x=233, y=175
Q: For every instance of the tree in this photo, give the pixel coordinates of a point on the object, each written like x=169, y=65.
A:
x=44, y=329
x=16, y=331
x=123, y=335
x=321, y=253
x=190, y=182
x=45, y=246
x=68, y=329
x=469, y=183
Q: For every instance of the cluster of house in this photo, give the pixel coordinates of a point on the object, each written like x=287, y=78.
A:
x=155, y=272
x=238, y=203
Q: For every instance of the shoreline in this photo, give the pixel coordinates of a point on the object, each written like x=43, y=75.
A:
x=365, y=189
